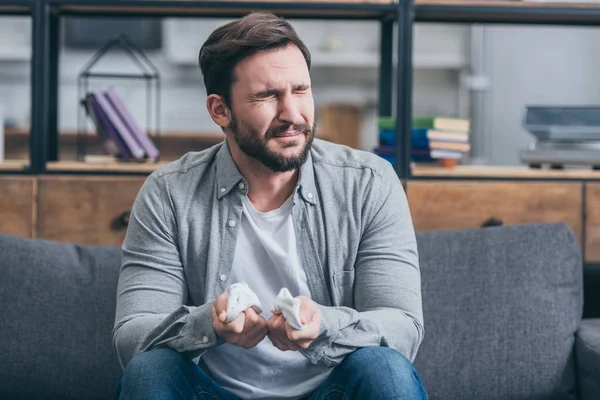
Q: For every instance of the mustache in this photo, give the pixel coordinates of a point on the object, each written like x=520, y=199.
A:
x=303, y=128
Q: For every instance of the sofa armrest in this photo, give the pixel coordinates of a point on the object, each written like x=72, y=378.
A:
x=587, y=347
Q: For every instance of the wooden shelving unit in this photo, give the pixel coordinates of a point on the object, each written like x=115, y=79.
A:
x=228, y=9
x=44, y=134
x=103, y=167
x=502, y=172
x=14, y=165
x=507, y=12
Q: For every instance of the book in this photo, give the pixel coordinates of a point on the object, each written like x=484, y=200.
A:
x=459, y=147
x=433, y=122
x=107, y=143
x=106, y=129
x=432, y=154
x=136, y=150
x=421, y=136
x=142, y=138
x=442, y=123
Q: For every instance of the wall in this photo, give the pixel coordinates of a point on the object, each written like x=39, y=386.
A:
x=535, y=65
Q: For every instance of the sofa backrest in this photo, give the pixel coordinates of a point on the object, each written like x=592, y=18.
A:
x=58, y=307
x=501, y=307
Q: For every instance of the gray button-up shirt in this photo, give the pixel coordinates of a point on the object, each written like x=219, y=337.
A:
x=355, y=239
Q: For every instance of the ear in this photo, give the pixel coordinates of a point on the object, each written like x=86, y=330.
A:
x=218, y=110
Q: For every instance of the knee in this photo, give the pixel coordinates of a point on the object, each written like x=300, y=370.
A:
x=151, y=372
x=384, y=371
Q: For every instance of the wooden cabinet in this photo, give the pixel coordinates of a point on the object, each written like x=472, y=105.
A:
x=456, y=204
x=85, y=210
x=17, y=205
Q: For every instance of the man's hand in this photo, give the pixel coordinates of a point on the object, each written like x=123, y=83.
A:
x=246, y=330
x=284, y=337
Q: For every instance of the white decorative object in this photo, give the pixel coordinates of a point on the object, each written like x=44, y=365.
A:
x=290, y=308
x=239, y=298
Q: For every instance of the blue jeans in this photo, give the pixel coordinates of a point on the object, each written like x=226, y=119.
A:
x=367, y=373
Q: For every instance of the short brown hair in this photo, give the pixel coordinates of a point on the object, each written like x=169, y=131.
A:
x=232, y=42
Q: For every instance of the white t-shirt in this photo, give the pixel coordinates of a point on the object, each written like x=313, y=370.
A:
x=266, y=258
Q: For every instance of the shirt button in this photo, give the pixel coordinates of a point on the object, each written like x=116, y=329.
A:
x=223, y=277
x=241, y=186
x=309, y=195
x=222, y=190
x=204, y=339
x=232, y=223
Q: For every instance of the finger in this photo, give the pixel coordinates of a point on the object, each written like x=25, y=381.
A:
x=272, y=319
x=257, y=338
x=280, y=323
x=306, y=315
x=237, y=325
x=223, y=316
x=251, y=317
x=304, y=344
x=272, y=322
x=257, y=328
x=295, y=334
x=280, y=341
x=221, y=303
x=256, y=310
x=282, y=345
x=291, y=345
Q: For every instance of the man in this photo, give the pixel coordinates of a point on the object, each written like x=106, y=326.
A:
x=275, y=208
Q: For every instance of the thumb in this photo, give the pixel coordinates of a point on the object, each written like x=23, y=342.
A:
x=223, y=316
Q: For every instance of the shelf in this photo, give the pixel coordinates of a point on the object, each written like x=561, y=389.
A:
x=103, y=167
x=227, y=9
x=14, y=165
x=15, y=7
x=508, y=12
x=501, y=172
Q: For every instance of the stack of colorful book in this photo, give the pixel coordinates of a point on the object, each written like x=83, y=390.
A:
x=117, y=130
x=433, y=139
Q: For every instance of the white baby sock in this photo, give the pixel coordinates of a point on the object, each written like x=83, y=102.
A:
x=290, y=308
x=239, y=298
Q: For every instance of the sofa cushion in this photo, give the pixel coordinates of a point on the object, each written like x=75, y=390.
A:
x=587, y=345
x=501, y=307
x=58, y=306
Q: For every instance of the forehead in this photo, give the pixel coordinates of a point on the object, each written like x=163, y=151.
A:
x=279, y=67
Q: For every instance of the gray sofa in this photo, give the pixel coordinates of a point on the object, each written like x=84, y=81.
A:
x=502, y=309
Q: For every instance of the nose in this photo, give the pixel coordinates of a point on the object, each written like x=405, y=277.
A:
x=289, y=110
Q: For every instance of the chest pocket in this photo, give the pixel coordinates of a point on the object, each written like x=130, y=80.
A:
x=344, y=287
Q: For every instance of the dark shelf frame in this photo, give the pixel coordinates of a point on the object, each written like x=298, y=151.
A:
x=46, y=15
x=220, y=9
x=395, y=84
x=529, y=14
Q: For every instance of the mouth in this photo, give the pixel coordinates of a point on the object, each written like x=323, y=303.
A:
x=287, y=134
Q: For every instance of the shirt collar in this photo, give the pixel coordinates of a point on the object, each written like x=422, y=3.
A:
x=228, y=175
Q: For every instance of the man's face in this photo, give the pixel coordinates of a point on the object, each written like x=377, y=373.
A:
x=273, y=109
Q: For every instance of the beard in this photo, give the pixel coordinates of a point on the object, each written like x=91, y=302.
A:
x=250, y=142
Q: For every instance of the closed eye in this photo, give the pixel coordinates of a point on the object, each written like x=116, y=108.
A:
x=265, y=94
x=301, y=88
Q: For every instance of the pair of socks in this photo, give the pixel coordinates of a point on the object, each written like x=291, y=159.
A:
x=240, y=297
